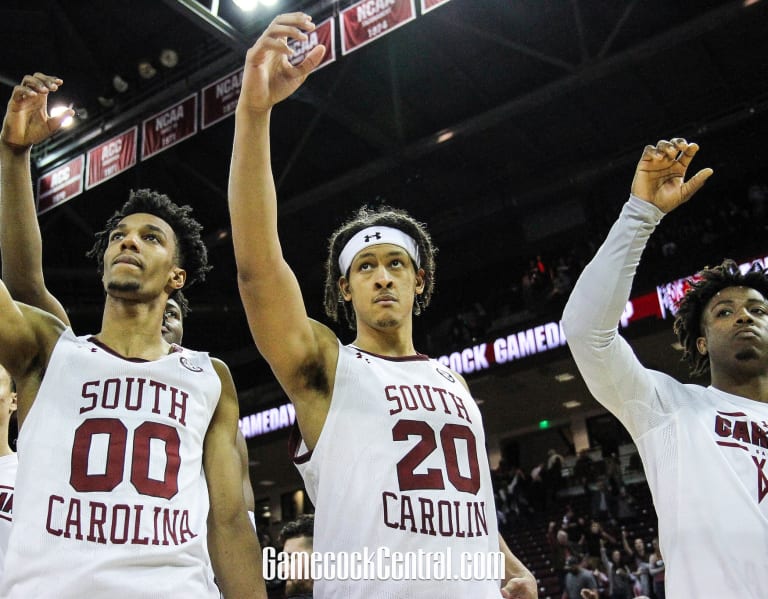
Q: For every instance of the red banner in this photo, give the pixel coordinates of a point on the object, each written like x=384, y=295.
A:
x=427, y=5
x=169, y=127
x=220, y=98
x=60, y=185
x=323, y=35
x=368, y=20
x=111, y=158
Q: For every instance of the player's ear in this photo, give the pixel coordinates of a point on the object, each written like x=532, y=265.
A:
x=421, y=280
x=14, y=402
x=701, y=345
x=344, y=289
x=178, y=277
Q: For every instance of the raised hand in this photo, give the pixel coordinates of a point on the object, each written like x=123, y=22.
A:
x=26, y=120
x=269, y=77
x=660, y=174
x=520, y=588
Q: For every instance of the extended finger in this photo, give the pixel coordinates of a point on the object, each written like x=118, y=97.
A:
x=695, y=183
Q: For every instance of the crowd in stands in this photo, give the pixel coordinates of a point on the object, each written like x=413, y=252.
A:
x=540, y=284
x=588, y=525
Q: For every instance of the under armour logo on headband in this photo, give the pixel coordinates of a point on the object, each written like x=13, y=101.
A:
x=377, y=235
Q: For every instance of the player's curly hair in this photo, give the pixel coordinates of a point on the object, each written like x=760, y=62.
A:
x=703, y=287
x=369, y=217
x=192, y=254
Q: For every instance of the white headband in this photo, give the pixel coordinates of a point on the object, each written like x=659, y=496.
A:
x=377, y=236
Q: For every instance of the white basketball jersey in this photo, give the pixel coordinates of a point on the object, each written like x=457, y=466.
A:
x=401, y=464
x=111, y=498
x=8, y=465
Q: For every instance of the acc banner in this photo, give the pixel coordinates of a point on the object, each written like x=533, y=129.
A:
x=60, y=185
x=368, y=20
x=427, y=5
x=220, y=98
x=323, y=35
x=169, y=127
x=111, y=158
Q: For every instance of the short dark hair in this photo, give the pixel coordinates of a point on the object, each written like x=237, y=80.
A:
x=703, y=286
x=370, y=217
x=303, y=526
x=192, y=254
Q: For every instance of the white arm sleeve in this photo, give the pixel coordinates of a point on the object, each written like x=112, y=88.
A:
x=606, y=361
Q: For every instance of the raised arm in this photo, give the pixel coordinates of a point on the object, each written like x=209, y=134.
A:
x=293, y=344
x=592, y=314
x=26, y=123
x=232, y=543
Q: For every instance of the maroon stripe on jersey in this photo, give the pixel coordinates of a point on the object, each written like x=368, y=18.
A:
x=294, y=441
x=731, y=413
x=413, y=358
x=727, y=444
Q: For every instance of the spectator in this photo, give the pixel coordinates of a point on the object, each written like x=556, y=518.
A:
x=656, y=569
x=620, y=580
x=561, y=548
x=297, y=538
x=639, y=556
x=577, y=578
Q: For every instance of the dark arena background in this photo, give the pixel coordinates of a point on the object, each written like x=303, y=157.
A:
x=511, y=127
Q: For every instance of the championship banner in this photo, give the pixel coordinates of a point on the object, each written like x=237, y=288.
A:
x=323, y=35
x=368, y=20
x=111, y=158
x=60, y=185
x=427, y=5
x=169, y=127
x=220, y=98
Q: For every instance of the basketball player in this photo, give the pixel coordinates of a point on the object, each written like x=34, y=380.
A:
x=8, y=462
x=120, y=431
x=393, y=445
x=703, y=448
x=22, y=252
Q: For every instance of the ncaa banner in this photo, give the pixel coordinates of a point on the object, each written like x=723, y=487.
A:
x=220, y=98
x=368, y=20
x=323, y=35
x=427, y=5
x=111, y=158
x=169, y=127
x=60, y=184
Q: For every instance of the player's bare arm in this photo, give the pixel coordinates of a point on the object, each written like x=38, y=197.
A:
x=234, y=548
x=301, y=352
x=27, y=338
x=26, y=123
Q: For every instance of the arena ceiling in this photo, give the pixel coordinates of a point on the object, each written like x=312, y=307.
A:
x=507, y=125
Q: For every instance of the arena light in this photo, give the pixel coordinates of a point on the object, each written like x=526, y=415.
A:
x=60, y=109
x=246, y=5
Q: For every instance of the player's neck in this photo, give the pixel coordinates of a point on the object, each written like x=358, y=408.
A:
x=394, y=342
x=5, y=448
x=133, y=329
x=751, y=387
